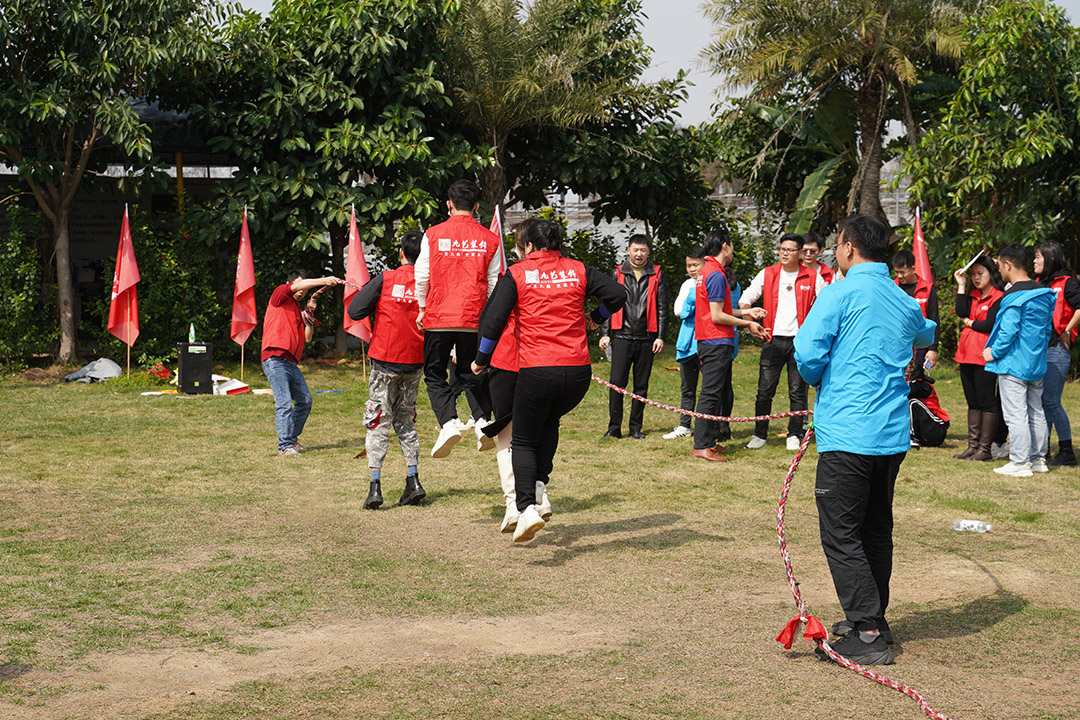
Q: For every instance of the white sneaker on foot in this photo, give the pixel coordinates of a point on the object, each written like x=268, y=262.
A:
x=755, y=443
x=1014, y=470
x=449, y=436
x=529, y=523
x=1039, y=465
x=483, y=442
x=678, y=432
x=793, y=443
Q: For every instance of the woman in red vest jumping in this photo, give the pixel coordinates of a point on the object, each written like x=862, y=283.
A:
x=980, y=386
x=547, y=291
x=1051, y=270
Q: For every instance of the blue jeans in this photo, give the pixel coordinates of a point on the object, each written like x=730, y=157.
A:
x=292, y=399
x=1021, y=405
x=1057, y=369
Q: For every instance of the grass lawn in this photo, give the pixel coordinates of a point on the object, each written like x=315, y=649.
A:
x=157, y=560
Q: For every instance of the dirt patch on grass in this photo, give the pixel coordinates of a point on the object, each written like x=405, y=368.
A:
x=149, y=682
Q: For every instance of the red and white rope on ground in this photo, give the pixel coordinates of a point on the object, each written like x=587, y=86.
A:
x=815, y=632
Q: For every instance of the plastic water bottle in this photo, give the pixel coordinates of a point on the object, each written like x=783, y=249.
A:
x=191, y=333
x=973, y=525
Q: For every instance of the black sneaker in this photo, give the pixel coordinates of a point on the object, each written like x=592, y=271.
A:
x=844, y=628
x=854, y=649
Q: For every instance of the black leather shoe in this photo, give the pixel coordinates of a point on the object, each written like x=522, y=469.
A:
x=414, y=491
x=617, y=434
x=637, y=435
x=374, y=496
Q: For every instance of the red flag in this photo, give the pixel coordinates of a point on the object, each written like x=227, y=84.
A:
x=244, y=319
x=496, y=227
x=124, y=307
x=922, y=258
x=356, y=273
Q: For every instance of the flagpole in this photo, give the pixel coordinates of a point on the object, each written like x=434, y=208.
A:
x=126, y=343
x=363, y=360
x=241, y=362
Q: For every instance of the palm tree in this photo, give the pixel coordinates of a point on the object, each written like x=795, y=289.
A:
x=512, y=68
x=873, y=46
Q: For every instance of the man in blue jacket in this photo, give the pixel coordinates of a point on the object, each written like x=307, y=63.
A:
x=1016, y=352
x=853, y=346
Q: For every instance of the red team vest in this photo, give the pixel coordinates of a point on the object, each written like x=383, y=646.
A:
x=505, y=356
x=805, y=293
x=969, y=349
x=653, y=324
x=704, y=327
x=396, y=338
x=459, y=253
x=827, y=273
x=922, y=294
x=1063, y=312
x=283, y=328
x=551, y=310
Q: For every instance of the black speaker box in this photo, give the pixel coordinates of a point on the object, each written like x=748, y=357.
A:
x=195, y=368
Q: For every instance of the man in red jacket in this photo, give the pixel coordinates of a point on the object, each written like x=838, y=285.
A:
x=456, y=271
x=285, y=331
x=787, y=290
x=397, y=361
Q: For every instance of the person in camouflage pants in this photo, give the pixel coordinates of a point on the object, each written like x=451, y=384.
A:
x=397, y=364
x=392, y=401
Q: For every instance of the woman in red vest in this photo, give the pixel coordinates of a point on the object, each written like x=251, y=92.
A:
x=980, y=387
x=547, y=291
x=1051, y=270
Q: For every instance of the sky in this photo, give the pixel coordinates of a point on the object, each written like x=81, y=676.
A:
x=677, y=32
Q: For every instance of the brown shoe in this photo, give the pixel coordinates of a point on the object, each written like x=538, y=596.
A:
x=719, y=449
x=986, y=437
x=974, y=418
x=708, y=454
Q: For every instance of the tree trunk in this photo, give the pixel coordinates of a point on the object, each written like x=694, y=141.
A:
x=867, y=182
x=65, y=290
x=338, y=233
x=493, y=178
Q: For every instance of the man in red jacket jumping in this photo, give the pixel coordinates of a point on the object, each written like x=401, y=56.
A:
x=456, y=271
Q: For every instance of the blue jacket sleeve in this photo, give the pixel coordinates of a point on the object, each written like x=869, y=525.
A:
x=927, y=332
x=1006, y=331
x=814, y=341
x=688, y=306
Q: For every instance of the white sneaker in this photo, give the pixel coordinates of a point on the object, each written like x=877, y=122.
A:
x=543, y=505
x=529, y=523
x=999, y=452
x=755, y=443
x=793, y=443
x=1014, y=470
x=678, y=432
x=483, y=442
x=449, y=436
x=1039, y=465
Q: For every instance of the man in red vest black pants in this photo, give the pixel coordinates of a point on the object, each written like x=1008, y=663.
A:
x=456, y=271
x=397, y=362
x=715, y=324
x=635, y=333
x=787, y=291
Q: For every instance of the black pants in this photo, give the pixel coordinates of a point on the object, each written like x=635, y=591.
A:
x=624, y=355
x=777, y=354
x=980, y=388
x=689, y=371
x=501, y=387
x=437, y=347
x=854, y=501
x=715, y=383
x=543, y=395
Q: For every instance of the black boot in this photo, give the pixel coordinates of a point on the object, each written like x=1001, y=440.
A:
x=414, y=491
x=990, y=423
x=374, y=496
x=1065, y=455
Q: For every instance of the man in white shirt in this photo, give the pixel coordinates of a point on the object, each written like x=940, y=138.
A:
x=787, y=290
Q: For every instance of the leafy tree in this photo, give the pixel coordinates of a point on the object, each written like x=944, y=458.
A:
x=71, y=71
x=872, y=47
x=1002, y=166
x=515, y=70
